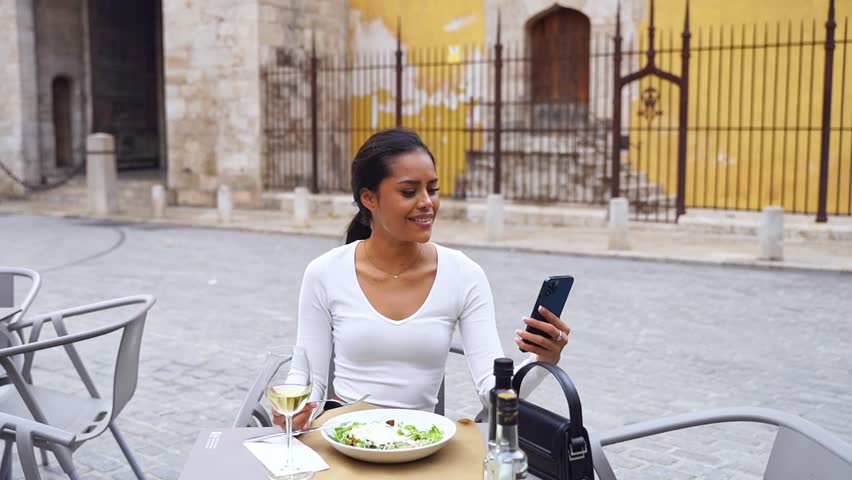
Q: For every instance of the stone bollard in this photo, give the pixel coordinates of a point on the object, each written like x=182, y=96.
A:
x=101, y=181
x=772, y=234
x=158, y=201
x=301, y=207
x=618, y=222
x=224, y=203
x=494, y=217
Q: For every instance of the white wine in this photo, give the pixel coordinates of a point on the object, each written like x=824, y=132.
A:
x=288, y=399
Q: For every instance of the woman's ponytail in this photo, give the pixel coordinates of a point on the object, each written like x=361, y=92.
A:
x=359, y=228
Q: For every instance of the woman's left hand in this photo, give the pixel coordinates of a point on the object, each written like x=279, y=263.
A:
x=546, y=348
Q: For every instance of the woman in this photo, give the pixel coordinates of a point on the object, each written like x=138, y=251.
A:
x=389, y=300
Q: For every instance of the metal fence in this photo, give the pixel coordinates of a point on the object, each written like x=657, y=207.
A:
x=728, y=118
x=770, y=122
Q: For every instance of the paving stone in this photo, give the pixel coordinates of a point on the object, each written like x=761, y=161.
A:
x=648, y=340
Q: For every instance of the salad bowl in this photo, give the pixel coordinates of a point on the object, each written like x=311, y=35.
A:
x=388, y=435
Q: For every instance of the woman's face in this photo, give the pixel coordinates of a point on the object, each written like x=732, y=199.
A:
x=407, y=200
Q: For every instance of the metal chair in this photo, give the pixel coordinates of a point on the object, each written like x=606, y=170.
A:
x=252, y=414
x=8, y=276
x=28, y=434
x=83, y=417
x=801, y=449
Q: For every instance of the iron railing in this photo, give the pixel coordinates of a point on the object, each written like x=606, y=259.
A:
x=725, y=118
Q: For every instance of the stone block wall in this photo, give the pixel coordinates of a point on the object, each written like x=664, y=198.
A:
x=214, y=52
x=287, y=29
x=292, y=23
x=60, y=33
x=212, y=97
x=18, y=134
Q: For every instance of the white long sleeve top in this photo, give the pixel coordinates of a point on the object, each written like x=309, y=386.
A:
x=400, y=363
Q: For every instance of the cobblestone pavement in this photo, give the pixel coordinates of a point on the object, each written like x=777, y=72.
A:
x=649, y=339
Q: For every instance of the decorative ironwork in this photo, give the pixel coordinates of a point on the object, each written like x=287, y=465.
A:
x=650, y=98
x=649, y=101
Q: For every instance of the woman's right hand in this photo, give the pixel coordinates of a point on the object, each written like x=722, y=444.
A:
x=300, y=420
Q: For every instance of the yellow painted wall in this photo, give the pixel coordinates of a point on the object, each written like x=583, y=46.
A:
x=436, y=102
x=731, y=168
x=727, y=167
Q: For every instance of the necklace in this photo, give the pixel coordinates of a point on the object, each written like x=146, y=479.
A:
x=394, y=275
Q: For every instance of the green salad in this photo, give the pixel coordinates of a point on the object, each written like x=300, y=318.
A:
x=385, y=435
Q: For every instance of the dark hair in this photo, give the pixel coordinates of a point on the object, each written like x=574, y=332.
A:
x=371, y=165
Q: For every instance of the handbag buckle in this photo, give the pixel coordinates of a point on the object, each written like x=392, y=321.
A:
x=580, y=453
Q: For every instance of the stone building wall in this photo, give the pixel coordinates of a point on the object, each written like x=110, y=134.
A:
x=214, y=52
x=60, y=44
x=287, y=30
x=212, y=99
x=291, y=24
x=18, y=134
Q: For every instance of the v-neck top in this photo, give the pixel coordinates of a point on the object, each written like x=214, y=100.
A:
x=400, y=363
x=379, y=314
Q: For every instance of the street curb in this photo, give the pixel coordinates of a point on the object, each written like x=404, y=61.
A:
x=623, y=255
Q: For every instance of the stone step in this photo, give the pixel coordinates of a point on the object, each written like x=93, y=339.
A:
x=131, y=193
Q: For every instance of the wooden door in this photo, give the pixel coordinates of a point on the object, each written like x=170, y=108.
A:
x=560, y=57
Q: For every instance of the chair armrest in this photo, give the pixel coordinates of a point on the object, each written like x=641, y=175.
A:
x=148, y=300
x=36, y=429
x=145, y=300
x=817, y=434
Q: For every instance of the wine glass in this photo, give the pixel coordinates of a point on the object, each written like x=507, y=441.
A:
x=288, y=389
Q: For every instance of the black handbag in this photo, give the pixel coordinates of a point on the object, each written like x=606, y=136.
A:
x=557, y=448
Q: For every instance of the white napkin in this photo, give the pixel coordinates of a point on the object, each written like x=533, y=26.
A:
x=272, y=455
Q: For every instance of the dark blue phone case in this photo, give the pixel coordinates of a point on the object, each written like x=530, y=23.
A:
x=552, y=296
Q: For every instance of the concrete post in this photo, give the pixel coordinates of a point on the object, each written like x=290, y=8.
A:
x=158, y=201
x=494, y=217
x=101, y=176
x=618, y=222
x=301, y=207
x=772, y=234
x=224, y=203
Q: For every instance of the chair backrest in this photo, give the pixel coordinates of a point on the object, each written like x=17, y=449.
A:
x=252, y=413
x=8, y=275
x=795, y=457
x=127, y=361
x=801, y=449
x=7, y=289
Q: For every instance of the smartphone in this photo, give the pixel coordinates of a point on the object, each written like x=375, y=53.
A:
x=552, y=296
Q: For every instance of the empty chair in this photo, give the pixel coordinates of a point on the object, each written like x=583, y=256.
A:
x=84, y=417
x=801, y=449
x=8, y=277
x=28, y=433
